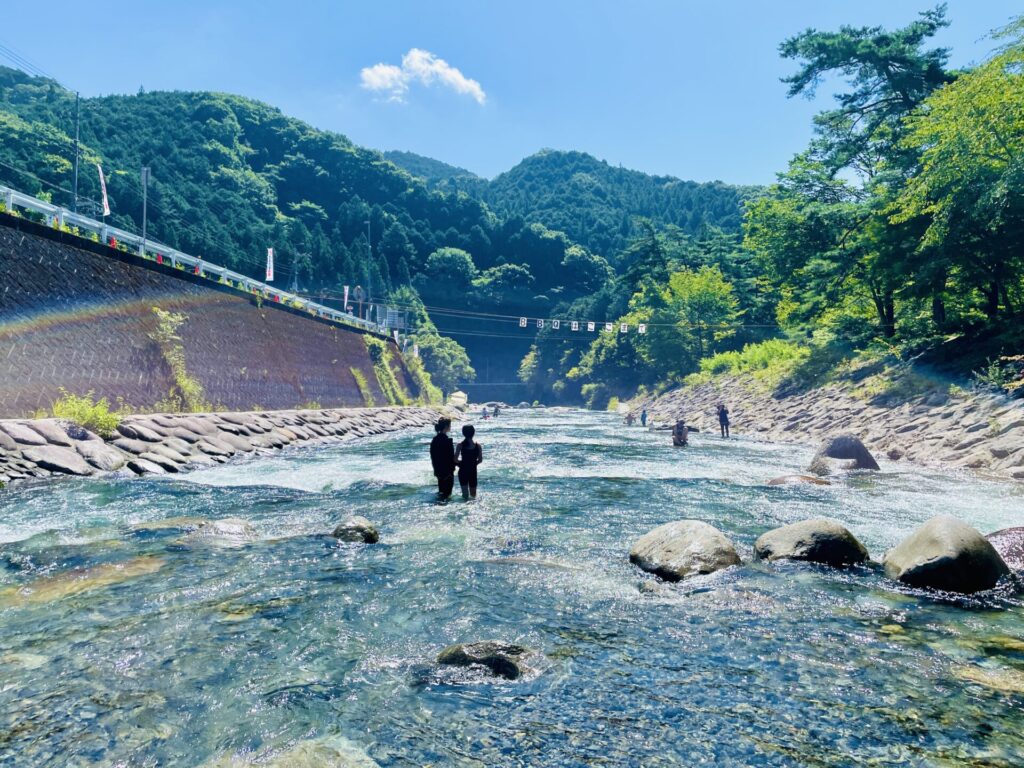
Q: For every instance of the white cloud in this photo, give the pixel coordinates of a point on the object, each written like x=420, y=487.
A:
x=419, y=66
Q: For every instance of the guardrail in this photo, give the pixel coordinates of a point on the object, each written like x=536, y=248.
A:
x=156, y=251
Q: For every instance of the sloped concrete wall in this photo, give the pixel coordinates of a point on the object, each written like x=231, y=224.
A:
x=78, y=315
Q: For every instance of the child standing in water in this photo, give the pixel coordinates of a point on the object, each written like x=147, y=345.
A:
x=467, y=455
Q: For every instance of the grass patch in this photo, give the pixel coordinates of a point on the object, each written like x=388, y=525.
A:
x=380, y=356
x=86, y=411
x=187, y=393
x=364, y=387
x=768, y=362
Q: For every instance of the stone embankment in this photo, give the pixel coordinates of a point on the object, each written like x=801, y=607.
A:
x=170, y=443
x=981, y=432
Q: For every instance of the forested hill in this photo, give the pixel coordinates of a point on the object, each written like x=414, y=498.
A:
x=428, y=169
x=597, y=204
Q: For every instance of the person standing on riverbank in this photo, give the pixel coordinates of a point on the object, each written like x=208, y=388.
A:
x=723, y=419
x=643, y=418
x=442, y=457
x=467, y=456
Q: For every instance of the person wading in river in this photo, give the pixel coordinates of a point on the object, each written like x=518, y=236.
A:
x=442, y=456
x=680, y=434
x=467, y=455
x=723, y=419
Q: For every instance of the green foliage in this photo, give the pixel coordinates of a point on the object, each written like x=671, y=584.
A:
x=429, y=394
x=187, y=393
x=363, y=386
x=86, y=411
x=769, y=361
x=380, y=355
x=445, y=360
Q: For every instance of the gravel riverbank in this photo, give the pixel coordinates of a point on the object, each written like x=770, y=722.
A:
x=981, y=432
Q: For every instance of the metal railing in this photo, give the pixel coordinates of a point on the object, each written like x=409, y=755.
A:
x=153, y=250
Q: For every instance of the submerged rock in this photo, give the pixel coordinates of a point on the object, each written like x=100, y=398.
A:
x=947, y=554
x=230, y=531
x=847, y=449
x=359, y=529
x=80, y=580
x=683, y=548
x=818, y=541
x=1009, y=543
x=508, y=660
x=798, y=480
x=328, y=752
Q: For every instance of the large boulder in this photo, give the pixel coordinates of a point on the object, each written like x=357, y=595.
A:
x=947, y=554
x=57, y=459
x=798, y=480
x=818, y=541
x=683, y=548
x=101, y=455
x=846, y=449
x=357, y=529
x=1009, y=543
x=501, y=659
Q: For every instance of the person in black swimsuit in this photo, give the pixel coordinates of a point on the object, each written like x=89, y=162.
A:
x=467, y=455
x=723, y=419
x=442, y=456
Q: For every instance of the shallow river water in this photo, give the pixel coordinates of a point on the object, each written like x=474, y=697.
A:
x=126, y=643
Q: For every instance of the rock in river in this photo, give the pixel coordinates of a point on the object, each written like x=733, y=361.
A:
x=683, y=548
x=57, y=459
x=508, y=660
x=846, y=448
x=359, y=529
x=798, y=480
x=328, y=752
x=1009, y=543
x=818, y=541
x=948, y=554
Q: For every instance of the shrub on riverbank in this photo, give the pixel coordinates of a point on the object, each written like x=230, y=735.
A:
x=86, y=411
x=769, y=362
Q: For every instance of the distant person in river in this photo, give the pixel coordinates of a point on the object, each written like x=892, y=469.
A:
x=497, y=411
x=680, y=434
x=442, y=456
x=630, y=419
x=643, y=418
x=467, y=455
x=723, y=419
x=484, y=414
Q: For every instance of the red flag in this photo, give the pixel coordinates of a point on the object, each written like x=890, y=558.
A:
x=159, y=258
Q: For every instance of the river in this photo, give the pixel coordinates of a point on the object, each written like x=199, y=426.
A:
x=198, y=648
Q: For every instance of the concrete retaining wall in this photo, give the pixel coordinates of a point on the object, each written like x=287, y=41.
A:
x=78, y=315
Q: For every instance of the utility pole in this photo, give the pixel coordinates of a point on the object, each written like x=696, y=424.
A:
x=74, y=199
x=145, y=198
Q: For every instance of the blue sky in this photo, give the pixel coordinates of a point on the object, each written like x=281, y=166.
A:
x=685, y=87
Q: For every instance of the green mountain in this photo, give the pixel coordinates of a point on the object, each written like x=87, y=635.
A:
x=428, y=169
x=598, y=205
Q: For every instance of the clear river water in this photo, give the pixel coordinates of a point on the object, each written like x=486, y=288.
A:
x=126, y=641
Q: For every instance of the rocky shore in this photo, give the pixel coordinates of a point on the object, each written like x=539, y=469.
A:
x=981, y=432
x=170, y=443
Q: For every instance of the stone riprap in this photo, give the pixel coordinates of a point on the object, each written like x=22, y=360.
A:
x=981, y=432
x=171, y=443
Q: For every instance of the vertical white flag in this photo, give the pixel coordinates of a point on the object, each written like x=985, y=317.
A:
x=591, y=326
x=623, y=328
x=396, y=335
x=575, y=325
x=609, y=327
x=540, y=324
x=415, y=350
x=103, y=190
x=270, y=265
x=642, y=328
x=556, y=324
x=522, y=322
x=344, y=304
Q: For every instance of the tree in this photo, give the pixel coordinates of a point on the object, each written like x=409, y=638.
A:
x=445, y=360
x=970, y=183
